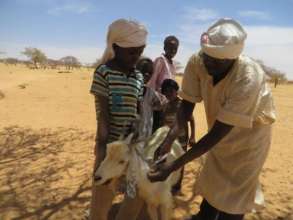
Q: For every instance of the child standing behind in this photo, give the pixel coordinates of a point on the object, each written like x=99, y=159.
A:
x=164, y=68
x=170, y=90
x=152, y=100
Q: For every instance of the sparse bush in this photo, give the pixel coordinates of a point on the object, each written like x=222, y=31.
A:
x=53, y=64
x=36, y=56
x=11, y=61
x=275, y=76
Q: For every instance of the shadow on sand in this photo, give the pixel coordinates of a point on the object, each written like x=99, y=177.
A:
x=44, y=173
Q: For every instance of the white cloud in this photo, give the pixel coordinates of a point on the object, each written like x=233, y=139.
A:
x=261, y=15
x=270, y=35
x=272, y=44
x=76, y=8
x=199, y=14
x=277, y=56
x=190, y=33
x=153, y=50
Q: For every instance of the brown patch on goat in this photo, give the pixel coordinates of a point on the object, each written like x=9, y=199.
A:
x=116, y=149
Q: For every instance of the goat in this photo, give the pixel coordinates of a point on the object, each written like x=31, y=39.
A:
x=132, y=160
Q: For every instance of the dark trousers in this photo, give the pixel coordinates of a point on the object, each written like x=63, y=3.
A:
x=208, y=212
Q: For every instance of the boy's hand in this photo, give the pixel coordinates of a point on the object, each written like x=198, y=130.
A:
x=100, y=156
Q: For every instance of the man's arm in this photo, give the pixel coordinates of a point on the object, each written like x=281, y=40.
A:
x=214, y=136
x=103, y=127
x=183, y=116
x=153, y=82
x=192, y=130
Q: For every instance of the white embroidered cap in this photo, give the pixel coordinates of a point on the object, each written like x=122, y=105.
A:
x=224, y=39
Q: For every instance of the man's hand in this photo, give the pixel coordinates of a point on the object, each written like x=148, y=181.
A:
x=160, y=172
x=161, y=151
x=191, y=141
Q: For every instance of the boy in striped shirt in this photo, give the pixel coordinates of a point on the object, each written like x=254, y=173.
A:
x=118, y=89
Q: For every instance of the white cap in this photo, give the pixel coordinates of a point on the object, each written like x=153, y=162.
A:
x=224, y=39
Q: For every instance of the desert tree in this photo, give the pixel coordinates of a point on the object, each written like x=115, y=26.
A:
x=11, y=61
x=36, y=56
x=53, y=64
x=70, y=62
x=275, y=76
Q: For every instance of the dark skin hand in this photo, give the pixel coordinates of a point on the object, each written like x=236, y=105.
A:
x=161, y=171
x=191, y=140
x=103, y=129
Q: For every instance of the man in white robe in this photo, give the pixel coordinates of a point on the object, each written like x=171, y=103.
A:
x=239, y=111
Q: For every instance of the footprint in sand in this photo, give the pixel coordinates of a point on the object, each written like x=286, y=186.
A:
x=23, y=86
x=2, y=95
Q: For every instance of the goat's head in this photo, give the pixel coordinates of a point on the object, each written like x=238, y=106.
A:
x=115, y=163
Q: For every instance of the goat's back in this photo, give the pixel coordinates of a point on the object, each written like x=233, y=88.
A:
x=154, y=142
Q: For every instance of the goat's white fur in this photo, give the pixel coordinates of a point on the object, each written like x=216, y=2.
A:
x=121, y=156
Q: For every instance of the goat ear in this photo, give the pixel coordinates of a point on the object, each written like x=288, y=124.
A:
x=128, y=139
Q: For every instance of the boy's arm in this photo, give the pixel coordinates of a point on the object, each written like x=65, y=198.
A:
x=158, y=100
x=153, y=82
x=184, y=113
x=192, y=130
x=103, y=127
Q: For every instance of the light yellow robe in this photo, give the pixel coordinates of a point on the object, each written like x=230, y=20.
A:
x=229, y=179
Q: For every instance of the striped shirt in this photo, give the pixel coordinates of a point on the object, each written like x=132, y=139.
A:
x=123, y=93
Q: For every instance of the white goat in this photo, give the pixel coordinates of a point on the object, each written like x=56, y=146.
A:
x=125, y=158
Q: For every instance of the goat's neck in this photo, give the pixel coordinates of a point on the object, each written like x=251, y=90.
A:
x=138, y=165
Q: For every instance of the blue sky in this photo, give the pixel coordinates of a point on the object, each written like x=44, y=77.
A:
x=78, y=27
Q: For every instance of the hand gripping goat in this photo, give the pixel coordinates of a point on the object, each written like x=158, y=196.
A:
x=131, y=159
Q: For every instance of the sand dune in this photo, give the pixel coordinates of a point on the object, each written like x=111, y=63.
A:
x=47, y=131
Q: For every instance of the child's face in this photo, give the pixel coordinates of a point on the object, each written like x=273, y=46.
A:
x=171, y=49
x=147, y=72
x=127, y=57
x=170, y=93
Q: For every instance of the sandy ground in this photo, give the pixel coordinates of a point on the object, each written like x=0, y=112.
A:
x=47, y=131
